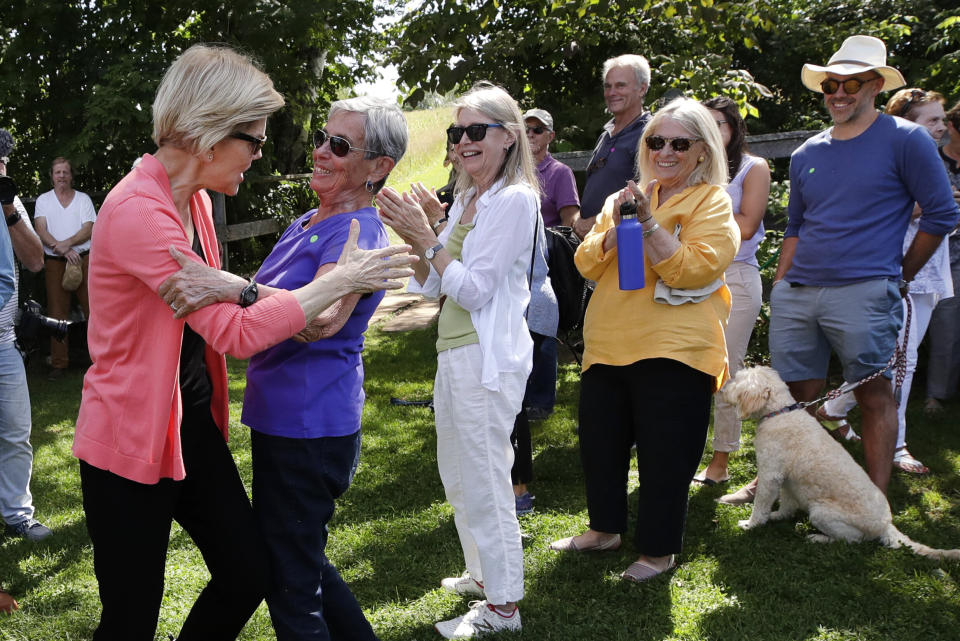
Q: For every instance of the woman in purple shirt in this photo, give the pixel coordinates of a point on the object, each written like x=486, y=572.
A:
x=304, y=396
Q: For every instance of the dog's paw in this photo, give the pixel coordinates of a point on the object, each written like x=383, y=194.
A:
x=745, y=524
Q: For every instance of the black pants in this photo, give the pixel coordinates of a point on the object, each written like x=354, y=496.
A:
x=295, y=484
x=663, y=406
x=522, y=470
x=129, y=524
x=538, y=394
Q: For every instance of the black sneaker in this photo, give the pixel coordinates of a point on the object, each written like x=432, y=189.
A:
x=31, y=529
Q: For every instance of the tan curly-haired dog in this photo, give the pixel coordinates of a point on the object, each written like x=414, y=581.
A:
x=799, y=462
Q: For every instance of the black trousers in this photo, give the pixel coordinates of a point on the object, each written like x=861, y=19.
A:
x=296, y=482
x=522, y=470
x=129, y=524
x=663, y=406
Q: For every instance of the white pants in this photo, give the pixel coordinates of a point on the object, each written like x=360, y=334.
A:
x=474, y=455
x=746, y=290
x=923, y=305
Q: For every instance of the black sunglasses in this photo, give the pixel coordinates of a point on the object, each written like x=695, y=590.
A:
x=537, y=130
x=916, y=95
x=850, y=86
x=339, y=146
x=679, y=144
x=476, y=133
x=256, y=144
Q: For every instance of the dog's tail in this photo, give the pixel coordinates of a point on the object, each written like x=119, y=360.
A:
x=894, y=538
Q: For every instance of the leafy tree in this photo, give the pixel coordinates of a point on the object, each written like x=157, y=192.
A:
x=77, y=78
x=550, y=54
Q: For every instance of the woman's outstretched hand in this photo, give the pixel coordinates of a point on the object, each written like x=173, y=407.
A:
x=374, y=269
x=196, y=285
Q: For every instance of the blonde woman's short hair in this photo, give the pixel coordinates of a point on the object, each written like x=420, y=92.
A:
x=495, y=103
x=696, y=119
x=206, y=94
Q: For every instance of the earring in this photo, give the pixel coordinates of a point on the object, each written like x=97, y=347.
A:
x=210, y=155
x=701, y=159
x=369, y=186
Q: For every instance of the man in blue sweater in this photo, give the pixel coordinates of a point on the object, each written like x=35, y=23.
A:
x=838, y=285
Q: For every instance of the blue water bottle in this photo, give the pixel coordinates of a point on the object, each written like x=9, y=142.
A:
x=630, y=248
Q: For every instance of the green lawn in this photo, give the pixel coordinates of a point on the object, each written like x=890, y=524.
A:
x=393, y=538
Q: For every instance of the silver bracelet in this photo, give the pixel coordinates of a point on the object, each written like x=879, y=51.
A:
x=647, y=232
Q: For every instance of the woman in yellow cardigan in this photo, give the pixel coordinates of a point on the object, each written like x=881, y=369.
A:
x=654, y=356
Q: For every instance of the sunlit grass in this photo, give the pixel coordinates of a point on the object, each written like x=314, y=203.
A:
x=393, y=538
x=425, y=151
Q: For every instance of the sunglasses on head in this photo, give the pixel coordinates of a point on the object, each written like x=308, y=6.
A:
x=476, y=132
x=679, y=144
x=850, y=86
x=537, y=130
x=256, y=144
x=339, y=146
x=916, y=95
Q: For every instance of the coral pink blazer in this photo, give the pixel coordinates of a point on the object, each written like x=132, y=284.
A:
x=130, y=413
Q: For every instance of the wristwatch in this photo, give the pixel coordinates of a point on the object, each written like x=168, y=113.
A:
x=248, y=296
x=13, y=219
x=432, y=251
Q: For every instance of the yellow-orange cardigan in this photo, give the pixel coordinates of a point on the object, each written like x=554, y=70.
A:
x=622, y=327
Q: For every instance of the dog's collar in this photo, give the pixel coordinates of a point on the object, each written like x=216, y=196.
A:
x=788, y=408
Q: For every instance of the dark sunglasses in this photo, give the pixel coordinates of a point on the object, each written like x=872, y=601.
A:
x=256, y=144
x=916, y=95
x=850, y=86
x=537, y=130
x=476, y=133
x=339, y=146
x=679, y=144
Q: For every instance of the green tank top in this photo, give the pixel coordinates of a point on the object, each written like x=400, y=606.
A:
x=455, y=328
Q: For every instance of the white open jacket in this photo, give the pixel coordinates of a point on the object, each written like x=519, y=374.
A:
x=490, y=281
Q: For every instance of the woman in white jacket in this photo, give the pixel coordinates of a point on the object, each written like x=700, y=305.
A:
x=481, y=263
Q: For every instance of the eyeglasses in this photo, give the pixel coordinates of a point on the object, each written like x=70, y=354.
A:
x=850, y=86
x=537, y=130
x=679, y=144
x=256, y=144
x=339, y=146
x=916, y=95
x=476, y=132
x=721, y=122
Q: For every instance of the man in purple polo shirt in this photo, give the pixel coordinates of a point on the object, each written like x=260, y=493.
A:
x=559, y=203
x=626, y=80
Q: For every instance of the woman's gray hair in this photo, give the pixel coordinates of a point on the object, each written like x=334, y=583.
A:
x=639, y=65
x=495, y=103
x=696, y=119
x=208, y=93
x=384, y=128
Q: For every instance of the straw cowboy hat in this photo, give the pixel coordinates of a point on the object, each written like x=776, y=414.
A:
x=858, y=54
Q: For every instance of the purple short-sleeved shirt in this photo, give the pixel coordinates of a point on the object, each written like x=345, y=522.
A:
x=311, y=390
x=559, y=189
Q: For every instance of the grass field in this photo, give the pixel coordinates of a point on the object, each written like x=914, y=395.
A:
x=393, y=539
x=425, y=151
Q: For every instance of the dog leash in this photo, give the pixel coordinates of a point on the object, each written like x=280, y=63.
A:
x=898, y=360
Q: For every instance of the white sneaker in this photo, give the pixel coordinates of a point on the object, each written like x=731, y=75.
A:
x=482, y=618
x=464, y=585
